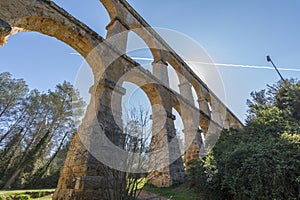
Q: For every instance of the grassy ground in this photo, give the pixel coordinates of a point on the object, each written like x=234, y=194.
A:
x=14, y=192
x=177, y=193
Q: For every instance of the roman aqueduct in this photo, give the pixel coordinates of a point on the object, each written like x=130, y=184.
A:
x=111, y=67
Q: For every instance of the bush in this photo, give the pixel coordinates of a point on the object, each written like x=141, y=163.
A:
x=263, y=160
x=204, y=178
x=38, y=194
x=6, y=197
x=22, y=197
x=247, y=166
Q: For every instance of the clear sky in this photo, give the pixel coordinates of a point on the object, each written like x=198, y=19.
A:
x=236, y=32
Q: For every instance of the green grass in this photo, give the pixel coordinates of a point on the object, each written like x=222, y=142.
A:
x=23, y=191
x=14, y=192
x=177, y=193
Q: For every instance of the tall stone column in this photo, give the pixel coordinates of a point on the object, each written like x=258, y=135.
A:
x=165, y=157
x=211, y=131
x=160, y=70
x=204, y=124
x=193, y=144
x=203, y=105
x=227, y=123
x=185, y=89
x=83, y=176
x=192, y=133
x=117, y=34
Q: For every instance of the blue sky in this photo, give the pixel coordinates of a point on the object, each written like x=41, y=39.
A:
x=232, y=32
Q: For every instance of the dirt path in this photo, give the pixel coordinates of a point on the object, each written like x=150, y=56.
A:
x=150, y=196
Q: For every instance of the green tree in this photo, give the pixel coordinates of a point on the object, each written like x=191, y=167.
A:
x=11, y=101
x=262, y=161
x=276, y=109
x=35, y=127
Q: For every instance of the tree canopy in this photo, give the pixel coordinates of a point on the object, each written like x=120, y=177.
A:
x=35, y=128
x=262, y=161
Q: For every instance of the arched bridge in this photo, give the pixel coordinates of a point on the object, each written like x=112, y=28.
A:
x=102, y=126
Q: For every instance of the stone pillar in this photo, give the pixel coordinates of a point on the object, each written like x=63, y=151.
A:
x=192, y=134
x=117, y=30
x=216, y=116
x=110, y=111
x=218, y=112
x=165, y=158
x=203, y=105
x=190, y=117
x=204, y=124
x=211, y=131
x=227, y=123
x=83, y=176
x=195, y=143
x=186, y=91
x=160, y=70
x=74, y=168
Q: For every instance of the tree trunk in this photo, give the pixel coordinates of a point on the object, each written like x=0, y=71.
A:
x=12, y=179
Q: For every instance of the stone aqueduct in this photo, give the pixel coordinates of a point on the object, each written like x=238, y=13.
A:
x=109, y=63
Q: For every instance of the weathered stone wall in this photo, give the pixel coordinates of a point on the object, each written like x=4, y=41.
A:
x=83, y=175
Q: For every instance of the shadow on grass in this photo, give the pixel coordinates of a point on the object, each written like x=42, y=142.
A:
x=181, y=192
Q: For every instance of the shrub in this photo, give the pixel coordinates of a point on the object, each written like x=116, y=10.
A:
x=262, y=161
x=247, y=166
x=38, y=194
x=204, y=178
x=22, y=197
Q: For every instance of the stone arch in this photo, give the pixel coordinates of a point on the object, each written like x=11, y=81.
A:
x=179, y=127
x=199, y=91
x=53, y=28
x=136, y=76
x=195, y=97
x=127, y=21
x=175, y=64
x=155, y=47
x=139, y=51
x=209, y=101
x=47, y=59
x=111, y=7
x=58, y=28
x=47, y=18
x=137, y=111
x=183, y=78
x=174, y=78
x=217, y=109
x=228, y=121
x=133, y=89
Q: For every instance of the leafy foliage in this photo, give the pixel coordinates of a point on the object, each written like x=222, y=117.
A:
x=263, y=160
x=27, y=194
x=276, y=109
x=35, y=129
x=22, y=197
